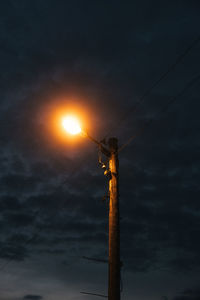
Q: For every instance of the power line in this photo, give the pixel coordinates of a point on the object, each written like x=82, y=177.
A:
x=148, y=91
x=192, y=82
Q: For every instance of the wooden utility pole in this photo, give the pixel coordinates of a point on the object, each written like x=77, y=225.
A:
x=114, y=228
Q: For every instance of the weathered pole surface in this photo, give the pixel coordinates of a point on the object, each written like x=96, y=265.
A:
x=114, y=226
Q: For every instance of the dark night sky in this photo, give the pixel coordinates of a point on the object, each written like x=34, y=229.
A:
x=99, y=57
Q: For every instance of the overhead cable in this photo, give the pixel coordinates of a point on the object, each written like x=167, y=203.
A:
x=149, y=121
x=148, y=91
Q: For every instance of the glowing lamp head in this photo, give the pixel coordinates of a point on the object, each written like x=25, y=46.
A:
x=71, y=125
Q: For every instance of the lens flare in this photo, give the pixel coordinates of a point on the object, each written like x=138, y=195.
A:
x=71, y=125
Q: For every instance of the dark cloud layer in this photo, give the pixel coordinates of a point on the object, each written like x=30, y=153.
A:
x=189, y=294
x=100, y=56
x=32, y=297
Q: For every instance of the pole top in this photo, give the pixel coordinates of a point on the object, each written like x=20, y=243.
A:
x=113, y=143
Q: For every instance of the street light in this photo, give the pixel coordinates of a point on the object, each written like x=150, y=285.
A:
x=72, y=125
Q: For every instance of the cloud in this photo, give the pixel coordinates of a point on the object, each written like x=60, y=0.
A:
x=189, y=294
x=32, y=297
x=13, y=251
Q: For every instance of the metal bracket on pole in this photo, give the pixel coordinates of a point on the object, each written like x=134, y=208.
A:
x=98, y=295
x=95, y=259
x=104, y=150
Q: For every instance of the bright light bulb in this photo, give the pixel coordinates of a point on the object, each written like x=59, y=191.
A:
x=71, y=125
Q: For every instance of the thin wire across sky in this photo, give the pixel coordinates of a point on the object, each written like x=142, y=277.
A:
x=132, y=110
